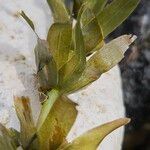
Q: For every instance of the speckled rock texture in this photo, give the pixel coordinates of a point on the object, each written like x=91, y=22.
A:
x=99, y=103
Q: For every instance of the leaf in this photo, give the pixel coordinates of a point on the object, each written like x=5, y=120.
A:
x=28, y=20
x=27, y=128
x=115, y=13
x=73, y=69
x=91, y=30
x=60, y=13
x=58, y=124
x=92, y=138
x=98, y=6
x=103, y=60
x=59, y=39
x=46, y=66
x=6, y=139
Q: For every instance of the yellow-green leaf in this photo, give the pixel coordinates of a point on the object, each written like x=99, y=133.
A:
x=92, y=138
x=91, y=30
x=98, y=6
x=58, y=124
x=27, y=128
x=59, y=10
x=103, y=60
x=59, y=39
x=115, y=13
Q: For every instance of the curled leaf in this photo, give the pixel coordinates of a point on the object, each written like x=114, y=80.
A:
x=57, y=124
x=92, y=138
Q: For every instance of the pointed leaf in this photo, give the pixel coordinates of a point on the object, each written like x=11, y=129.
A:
x=28, y=20
x=103, y=60
x=59, y=40
x=27, y=128
x=92, y=138
x=115, y=13
x=57, y=124
x=60, y=13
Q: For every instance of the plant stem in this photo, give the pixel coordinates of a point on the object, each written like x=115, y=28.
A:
x=53, y=95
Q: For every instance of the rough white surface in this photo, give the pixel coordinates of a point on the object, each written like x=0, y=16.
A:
x=99, y=103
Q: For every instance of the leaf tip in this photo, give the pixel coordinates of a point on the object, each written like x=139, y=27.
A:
x=127, y=120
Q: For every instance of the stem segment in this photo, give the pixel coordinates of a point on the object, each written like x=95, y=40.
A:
x=53, y=95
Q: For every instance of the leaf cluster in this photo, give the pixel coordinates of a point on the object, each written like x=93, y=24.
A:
x=73, y=55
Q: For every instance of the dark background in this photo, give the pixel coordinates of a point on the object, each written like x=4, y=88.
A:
x=135, y=72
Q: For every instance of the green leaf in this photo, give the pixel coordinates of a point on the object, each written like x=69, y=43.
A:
x=98, y=6
x=95, y=5
x=59, y=10
x=6, y=139
x=92, y=138
x=28, y=20
x=58, y=124
x=91, y=30
x=46, y=66
x=59, y=39
x=115, y=13
x=103, y=60
x=73, y=69
x=27, y=128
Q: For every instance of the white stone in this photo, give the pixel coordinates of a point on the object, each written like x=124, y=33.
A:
x=99, y=103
